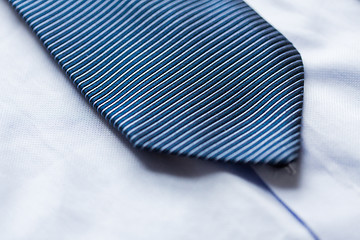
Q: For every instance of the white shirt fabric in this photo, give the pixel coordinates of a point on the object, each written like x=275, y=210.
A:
x=325, y=191
x=66, y=174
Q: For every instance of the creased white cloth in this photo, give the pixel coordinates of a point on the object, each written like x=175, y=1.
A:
x=325, y=191
x=65, y=174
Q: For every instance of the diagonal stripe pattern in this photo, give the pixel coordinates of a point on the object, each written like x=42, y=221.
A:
x=206, y=78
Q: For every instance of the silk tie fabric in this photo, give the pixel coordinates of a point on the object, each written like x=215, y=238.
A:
x=208, y=79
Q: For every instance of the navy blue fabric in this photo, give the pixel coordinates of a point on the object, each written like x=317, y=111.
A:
x=206, y=78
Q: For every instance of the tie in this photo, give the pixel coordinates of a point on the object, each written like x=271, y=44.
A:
x=209, y=79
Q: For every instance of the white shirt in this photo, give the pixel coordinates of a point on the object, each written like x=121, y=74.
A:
x=325, y=192
x=66, y=174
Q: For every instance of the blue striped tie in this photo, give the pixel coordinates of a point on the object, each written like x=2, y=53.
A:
x=206, y=78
